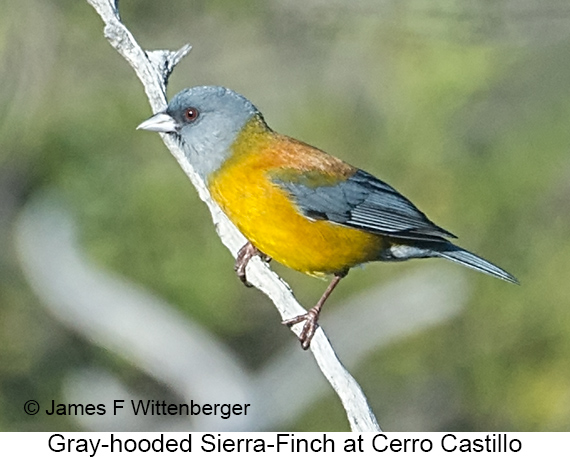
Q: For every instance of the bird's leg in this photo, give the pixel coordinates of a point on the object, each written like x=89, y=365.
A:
x=311, y=317
x=244, y=255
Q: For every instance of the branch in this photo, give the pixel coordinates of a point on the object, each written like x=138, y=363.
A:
x=153, y=69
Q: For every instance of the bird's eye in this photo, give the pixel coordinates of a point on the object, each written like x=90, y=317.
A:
x=190, y=114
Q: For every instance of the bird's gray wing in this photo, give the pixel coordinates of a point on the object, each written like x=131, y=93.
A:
x=360, y=201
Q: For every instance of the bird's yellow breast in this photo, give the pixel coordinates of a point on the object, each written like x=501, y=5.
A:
x=266, y=215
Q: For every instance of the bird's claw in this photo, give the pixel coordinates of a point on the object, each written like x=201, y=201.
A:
x=310, y=318
x=243, y=257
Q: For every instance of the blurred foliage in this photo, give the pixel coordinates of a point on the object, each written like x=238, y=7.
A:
x=461, y=105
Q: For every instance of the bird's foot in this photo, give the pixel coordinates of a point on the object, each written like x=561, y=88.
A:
x=311, y=318
x=244, y=255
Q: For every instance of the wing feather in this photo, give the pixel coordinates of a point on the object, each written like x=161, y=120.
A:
x=360, y=201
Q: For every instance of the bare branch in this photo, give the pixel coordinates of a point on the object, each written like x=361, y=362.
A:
x=153, y=69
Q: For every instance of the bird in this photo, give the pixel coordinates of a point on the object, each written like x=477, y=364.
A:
x=296, y=204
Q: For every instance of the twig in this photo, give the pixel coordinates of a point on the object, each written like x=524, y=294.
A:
x=153, y=69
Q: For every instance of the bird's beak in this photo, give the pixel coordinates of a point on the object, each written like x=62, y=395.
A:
x=160, y=122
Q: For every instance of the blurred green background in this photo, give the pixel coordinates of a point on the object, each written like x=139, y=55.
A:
x=463, y=106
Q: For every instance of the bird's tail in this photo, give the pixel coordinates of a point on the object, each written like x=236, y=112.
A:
x=460, y=255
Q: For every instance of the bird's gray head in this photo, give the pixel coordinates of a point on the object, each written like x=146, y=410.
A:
x=206, y=121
